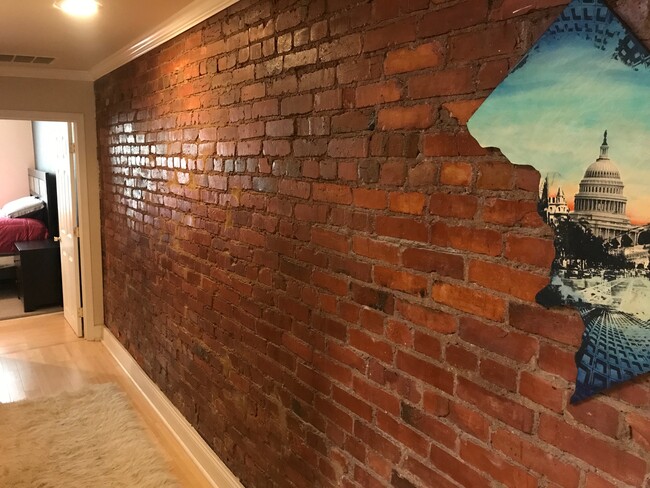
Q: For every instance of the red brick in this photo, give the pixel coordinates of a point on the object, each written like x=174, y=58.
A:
x=452, y=81
x=399, y=333
x=444, y=264
x=557, y=361
x=446, y=144
x=597, y=415
x=499, y=407
x=365, y=198
x=496, y=40
x=331, y=240
x=527, y=178
x=518, y=283
x=423, y=174
x=453, y=205
x=276, y=148
x=541, y=391
x=430, y=426
x=399, y=32
x=410, y=203
x=456, y=469
x=462, y=110
x=401, y=280
x=464, y=14
x=498, y=374
x=526, y=453
x=375, y=249
x=436, y=404
x=392, y=173
x=511, y=344
x=456, y=174
x=287, y=20
x=343, y=47
x=299, y=189
x=425, y=371
x=252, y=92
x=496, y=466
x=332, y=283
x=640, y=429
x=351, y=403
x=385, y=401
x=405, y=60
x=376, y=348
x=280, y=128
x=592, y=480
x=469, y=300
x=469, y=420
x=413, y=117
x=492, y=73
x=350, y=122
x=495, y=176
x=299, y=104
x=511, y=213
x=428, y=345
x=378, y=93
x=354, y=147
x=461, y=358
x=402, y=433
x=326, y=192
x=402, y=228
x=482, y=241
x=530, y=250
x=619, y=463
x=376, y=441
x=434, y=320
x=300, y=58
x=561, y=326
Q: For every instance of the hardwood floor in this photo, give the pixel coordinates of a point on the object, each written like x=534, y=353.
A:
x=40, y=356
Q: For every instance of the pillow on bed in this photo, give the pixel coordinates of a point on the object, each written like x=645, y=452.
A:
x=21, y=207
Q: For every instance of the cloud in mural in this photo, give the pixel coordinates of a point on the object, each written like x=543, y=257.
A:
x=576, y=108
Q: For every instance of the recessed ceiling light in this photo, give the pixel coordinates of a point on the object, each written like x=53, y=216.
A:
x=78, y=8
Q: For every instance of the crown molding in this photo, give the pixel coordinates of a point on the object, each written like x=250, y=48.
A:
x=12, y=71
x=188, y=17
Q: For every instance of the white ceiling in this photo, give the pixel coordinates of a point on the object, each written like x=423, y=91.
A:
x=87, y=49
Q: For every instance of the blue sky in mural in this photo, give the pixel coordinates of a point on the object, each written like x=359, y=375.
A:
x=552, y=111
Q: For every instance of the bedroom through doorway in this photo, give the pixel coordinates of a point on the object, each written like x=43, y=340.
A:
x=39, y=269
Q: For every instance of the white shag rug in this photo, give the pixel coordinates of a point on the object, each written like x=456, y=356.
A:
x=89, y=438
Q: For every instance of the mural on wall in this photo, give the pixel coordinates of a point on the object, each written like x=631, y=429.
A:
x=577, y=109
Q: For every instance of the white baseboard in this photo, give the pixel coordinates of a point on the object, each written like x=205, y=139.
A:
x=208, y=462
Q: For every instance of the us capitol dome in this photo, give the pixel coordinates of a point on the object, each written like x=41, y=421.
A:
x=600, y=203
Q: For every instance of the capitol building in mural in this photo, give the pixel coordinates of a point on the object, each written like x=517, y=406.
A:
x=601, y=206
x=600, y=203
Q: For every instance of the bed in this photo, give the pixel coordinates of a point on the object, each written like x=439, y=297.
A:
x=36, y=226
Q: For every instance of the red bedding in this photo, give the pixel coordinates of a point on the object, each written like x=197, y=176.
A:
x=16, y=230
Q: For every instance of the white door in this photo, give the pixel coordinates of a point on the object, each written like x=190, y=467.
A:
x=68, y=232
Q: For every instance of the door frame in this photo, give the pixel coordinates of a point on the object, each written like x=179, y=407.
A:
x=88, y=209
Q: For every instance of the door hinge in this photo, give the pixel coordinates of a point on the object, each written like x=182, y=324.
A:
x=80, y=312
x=75, y=232
x=73, y=148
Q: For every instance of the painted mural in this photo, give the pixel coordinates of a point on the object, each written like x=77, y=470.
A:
x=577, y=108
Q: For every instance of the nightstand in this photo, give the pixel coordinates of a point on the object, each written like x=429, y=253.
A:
x=38, y=266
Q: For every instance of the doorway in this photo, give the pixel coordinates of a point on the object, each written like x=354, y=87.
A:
x=78, y=185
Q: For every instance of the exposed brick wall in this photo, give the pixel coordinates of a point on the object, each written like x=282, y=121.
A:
x=329, y=277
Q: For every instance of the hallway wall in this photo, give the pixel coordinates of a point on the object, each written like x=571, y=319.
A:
x=16, y=158
x=322, y=269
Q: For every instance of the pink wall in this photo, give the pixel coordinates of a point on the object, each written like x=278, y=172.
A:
x=16, y=156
